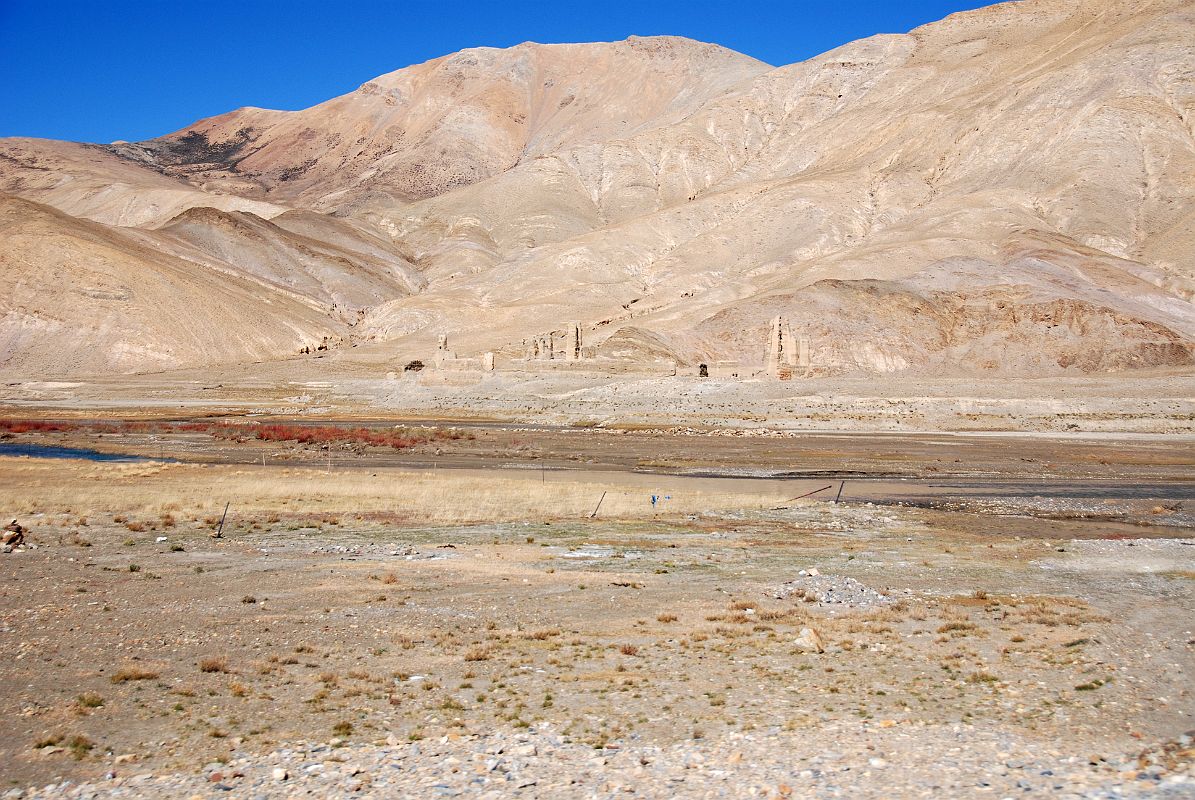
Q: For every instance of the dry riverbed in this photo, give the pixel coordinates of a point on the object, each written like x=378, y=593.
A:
x=385, y=632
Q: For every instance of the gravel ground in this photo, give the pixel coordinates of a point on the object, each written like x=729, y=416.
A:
x=832, y=590
x=837, y=759
x=798, y=650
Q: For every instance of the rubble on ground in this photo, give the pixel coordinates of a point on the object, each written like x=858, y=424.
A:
x=831, y=590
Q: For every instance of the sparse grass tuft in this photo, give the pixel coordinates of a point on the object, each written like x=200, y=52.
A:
x=982, y=677
x=133, y=673
x=79, y=746
x=478, y=653
x=213, y=664
x=90, y=700
x=542, y=635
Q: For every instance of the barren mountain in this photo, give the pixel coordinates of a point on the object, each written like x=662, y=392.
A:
x=80, y=297
x=90, y=182
x=346, y=276
x=1007, y=191
x=428, y=129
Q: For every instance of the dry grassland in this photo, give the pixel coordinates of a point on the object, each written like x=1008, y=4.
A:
x=198, y=492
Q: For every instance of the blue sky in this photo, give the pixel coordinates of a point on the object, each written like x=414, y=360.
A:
x=133, y=69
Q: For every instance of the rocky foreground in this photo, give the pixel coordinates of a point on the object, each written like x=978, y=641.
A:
x=835, y=759
x=348, y=633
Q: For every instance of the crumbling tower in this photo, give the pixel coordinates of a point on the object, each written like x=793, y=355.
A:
x=781, y=356
x=443, y=354
x=573, y=344
x=803, y=359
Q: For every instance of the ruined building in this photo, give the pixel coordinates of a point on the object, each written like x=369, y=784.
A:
x=543, y=348
x=572, y=350
x=447, y=361
x=443, y=354
x=783, y=354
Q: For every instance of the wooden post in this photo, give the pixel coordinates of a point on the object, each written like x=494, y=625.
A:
x=220, y=530
x=808, y=494
x=599, y=505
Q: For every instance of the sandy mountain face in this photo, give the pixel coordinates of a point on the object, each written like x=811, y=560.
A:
x=347, y=275
x=80, y=297
x=1007, y=191
x=425, y=130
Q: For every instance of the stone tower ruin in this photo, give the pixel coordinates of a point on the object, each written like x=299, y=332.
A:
x=574, y=343
x=781, y=355
x=785, y=353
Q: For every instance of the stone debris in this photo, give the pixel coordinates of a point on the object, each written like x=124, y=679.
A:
x=372, y=550
x=13, y=538
x=831, y=590
x=866, y=761
x=809, y=641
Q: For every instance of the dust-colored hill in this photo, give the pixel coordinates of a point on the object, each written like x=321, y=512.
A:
x=347, y=276
x=1008, y=191
x=450, y=122
x=1059, y=128
x=82, y=298
x=90, y=182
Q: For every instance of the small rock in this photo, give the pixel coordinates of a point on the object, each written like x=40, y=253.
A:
x=809, y=641
x=280, y=774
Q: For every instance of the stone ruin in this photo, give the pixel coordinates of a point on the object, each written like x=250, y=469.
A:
x=573, y=344
x=721, y=369
x=443, y=354
x=543, y=348
x=447, y=359
x=784, y=354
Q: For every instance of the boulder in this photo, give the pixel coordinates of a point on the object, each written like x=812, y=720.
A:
x=809, y=642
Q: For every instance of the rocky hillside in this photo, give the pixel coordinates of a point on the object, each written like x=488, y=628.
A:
x=1007, y=191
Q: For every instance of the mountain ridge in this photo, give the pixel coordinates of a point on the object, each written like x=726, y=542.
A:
x=1033, y=155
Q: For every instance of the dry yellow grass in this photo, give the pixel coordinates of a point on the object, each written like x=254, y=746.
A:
x=192, y=490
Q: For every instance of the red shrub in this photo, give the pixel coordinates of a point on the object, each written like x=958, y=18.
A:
x=33, y=425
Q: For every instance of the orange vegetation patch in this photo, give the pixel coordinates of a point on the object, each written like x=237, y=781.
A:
x=397, y=438
x=331, y=434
